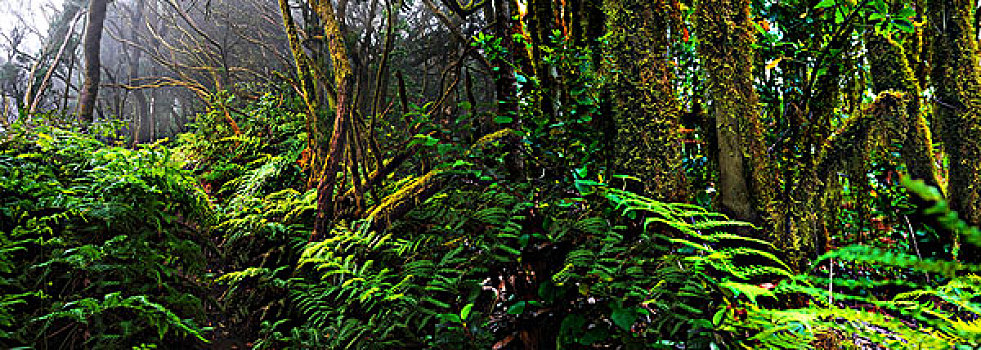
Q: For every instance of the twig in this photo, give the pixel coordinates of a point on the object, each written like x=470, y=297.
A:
x=831, y=282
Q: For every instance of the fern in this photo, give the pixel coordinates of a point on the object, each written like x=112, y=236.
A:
x=80, y=223
x=936, y=312
x=155, y=316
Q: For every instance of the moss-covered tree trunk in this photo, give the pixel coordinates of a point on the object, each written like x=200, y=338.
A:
x=646, y=110
x=891, y=70
x=540, y=23
x=746, y=180
x=955, y=77
x=343, y=81
x=807, y=114
x=306, y=76
x=749, y=175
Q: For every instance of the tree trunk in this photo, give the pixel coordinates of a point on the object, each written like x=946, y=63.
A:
x=344, y=84
x=958, y=105
x=647, y=112
x=539, y=22
x=58, y=34
x=891, y=70
x=504, y=77
x=54, y=66
x=142, y=109
x=307, y=86
x=92, y=46
x=746, y=181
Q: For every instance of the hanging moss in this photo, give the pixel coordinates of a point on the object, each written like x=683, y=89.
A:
x=890, y=70
x=804, y=195
x=884, y=122
x=871, y=132
x=641, y=81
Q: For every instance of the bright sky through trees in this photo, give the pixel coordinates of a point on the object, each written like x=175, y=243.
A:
x=32, y=14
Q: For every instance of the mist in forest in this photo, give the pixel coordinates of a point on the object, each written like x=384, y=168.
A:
x=162, y=61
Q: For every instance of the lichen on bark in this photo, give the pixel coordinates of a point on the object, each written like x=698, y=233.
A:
x=641, y=81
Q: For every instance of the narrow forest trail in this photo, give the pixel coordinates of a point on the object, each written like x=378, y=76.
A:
x=224, y=336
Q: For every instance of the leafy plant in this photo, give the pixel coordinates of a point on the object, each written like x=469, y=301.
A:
x=865, y=295
x=83, y=223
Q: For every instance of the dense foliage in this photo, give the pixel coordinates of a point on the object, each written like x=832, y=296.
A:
x=625, y=174
x=104, y=247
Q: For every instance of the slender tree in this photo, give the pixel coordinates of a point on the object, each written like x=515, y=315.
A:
x=62, y=29
x=141, y=124
x=343, y=85
x=92, y=47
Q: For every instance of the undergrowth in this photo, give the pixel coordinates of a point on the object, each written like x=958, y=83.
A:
x=103, y=247
x=209, y=240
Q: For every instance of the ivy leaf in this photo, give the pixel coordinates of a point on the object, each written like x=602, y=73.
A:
x=906, y=12
x=460, y=163
x=880, y=6
x=572, y=324
x=593, y=335
x=719, y=315
x=502, y=119
x=450, y=318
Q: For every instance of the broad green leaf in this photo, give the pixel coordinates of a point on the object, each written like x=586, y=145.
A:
x=825, y=3
x=517, y=308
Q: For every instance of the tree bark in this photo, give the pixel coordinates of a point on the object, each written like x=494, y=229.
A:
x=58, y=34
x=891, y=70
x=957, y=106
x=746, y=181
x=54, y=66
x=92, y=47
x=344, y=84
x=539, y=22
x=647, y=112
x=142, y=108
x=307, y=78
x=504, y=81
